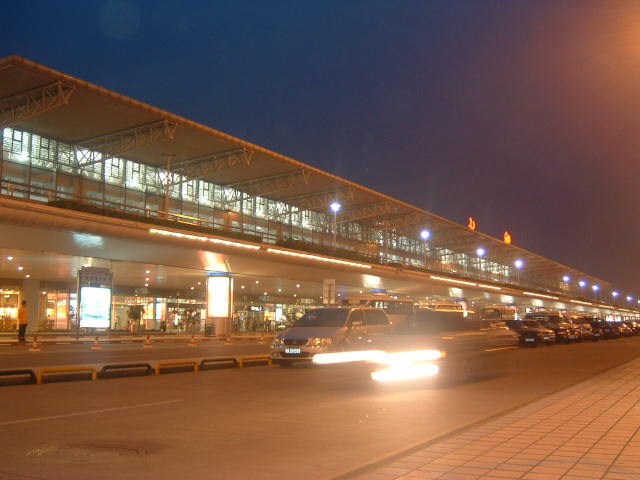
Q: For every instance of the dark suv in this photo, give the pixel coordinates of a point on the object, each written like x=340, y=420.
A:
x=565, y=332
x=531, y=332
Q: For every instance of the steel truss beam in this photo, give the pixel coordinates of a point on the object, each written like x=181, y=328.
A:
x=98, y=149
x=361, y=212
x=314, y=201
x=25, y=105
x=201, y=167
x=263, y=186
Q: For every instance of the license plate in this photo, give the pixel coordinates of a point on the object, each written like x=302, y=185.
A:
x=291, y=350
x=529, y=339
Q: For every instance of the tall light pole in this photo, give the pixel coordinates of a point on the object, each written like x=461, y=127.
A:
x=519, y=263
x=595, y=290
x=629, y=300
x=425, y=235
x=168, y=156
x=480, y=252
x=615, y=295
x=335, y=206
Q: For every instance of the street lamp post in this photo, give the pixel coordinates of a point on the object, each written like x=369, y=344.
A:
x=615, y=295
x=519, y=263
x=595, y=290
x=480, y=252
x=335, y=206
x=425, y=235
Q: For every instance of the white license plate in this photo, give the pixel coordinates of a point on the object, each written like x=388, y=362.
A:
x=529, y=339
x=291, y=350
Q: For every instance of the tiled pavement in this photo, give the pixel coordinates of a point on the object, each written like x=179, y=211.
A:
x=588, y=431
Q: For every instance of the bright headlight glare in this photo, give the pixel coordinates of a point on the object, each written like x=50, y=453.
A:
x=405, y=371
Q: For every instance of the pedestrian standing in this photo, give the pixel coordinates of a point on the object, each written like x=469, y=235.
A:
x=22, y=322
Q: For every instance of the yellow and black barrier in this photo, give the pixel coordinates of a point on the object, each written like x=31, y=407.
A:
x=17, y=377
x=63, y=372
x=218, y=363
x=255, y=361
x=173, y=367
x=126, y=370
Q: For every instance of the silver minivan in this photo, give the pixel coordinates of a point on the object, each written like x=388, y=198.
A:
x=330, y=329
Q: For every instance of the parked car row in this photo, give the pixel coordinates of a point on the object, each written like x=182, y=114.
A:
x=550, y=328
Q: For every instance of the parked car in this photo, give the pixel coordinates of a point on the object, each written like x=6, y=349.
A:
x=331, y=329
x=585, y=323
x=609, y=330
x=625, y=330
x=633, y=325
x=531, y=332
x=565, y=332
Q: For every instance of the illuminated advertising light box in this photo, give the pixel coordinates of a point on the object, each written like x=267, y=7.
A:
x=95, y=307
x=219, y=295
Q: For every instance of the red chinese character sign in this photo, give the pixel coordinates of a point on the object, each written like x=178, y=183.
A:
x=472, y=223
x=507, y=238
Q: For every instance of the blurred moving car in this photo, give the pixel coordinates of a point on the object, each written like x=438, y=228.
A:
x=331, y=329
x=449, y=346
x=565, y=332
x=531, y=332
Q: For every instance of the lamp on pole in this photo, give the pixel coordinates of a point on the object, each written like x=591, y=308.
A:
x=168, y=156
x=629, y=300
x=425, y=235
x=480, y=252
x=615, y=295
x=335, y=206
x=595, y=290
x=519, y=264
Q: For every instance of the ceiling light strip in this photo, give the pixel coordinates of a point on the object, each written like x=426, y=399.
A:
x=451, y=280
x=540, y=295
x=314, y=257
x=203, y=239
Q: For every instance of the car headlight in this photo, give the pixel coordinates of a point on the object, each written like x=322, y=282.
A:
x=277, y=342
x=319, y=342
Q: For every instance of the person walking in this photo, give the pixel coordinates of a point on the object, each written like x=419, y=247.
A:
x=22, y=322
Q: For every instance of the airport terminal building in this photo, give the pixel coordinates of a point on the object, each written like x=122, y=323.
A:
x=97, y=190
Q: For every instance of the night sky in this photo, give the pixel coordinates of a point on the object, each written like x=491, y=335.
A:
x=524, y=115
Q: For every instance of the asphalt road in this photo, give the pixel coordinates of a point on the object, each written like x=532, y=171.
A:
x=259, y=422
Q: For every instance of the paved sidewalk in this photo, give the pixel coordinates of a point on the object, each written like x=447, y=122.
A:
x=588, y=431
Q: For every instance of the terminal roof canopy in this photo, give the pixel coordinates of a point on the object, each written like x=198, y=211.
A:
x=56, y=105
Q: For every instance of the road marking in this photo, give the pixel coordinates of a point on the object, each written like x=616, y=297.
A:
x=90, y=412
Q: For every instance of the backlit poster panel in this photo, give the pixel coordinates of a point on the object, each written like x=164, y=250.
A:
x=95, y=307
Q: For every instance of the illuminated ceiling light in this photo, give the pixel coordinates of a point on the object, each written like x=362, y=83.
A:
x=10, y=258
x=203, y=239
x=315, y=257
x=20, y=268
x=540, y=295
x=451, y=280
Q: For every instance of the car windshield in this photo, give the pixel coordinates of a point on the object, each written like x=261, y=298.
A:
x=532, y=324
x=330, y=317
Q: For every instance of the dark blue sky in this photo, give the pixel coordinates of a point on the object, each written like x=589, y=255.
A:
x=522, y=114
